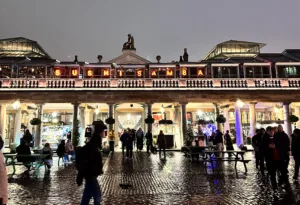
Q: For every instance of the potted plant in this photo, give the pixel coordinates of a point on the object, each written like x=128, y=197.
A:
x=110, y=121
x=293, y=118
x=35, y=121
x=221, y=119
x=149, y=120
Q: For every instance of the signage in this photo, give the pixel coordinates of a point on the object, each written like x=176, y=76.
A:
x=170, y=72
x=154, y=73
x=57, y=72
x=120, y=73
x=105, y=72
x=184, y=72
x=200, y=72
x=89, y=73
x=74, y=72
x=139, y=73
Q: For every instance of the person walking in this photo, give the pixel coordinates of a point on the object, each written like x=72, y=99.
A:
x=123, y=139
x=70, y=149
x=228, y=142
x=111, y=139
x=3, y=177
x=256, y=140
x=270, y=152
x=219, y=141
x=149, y=141
x=296, y=153
x=140, y=139
x=89, y=165
x=161, y=141
x=282, y=141
x=129, y=146
x=61, y=151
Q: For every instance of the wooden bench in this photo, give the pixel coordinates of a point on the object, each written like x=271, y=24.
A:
x=35, y=161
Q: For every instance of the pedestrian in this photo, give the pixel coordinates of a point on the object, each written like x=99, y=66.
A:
x=161, y=141
x=269, y=150
x=69, y=135
x=129, y=145
x=27, y=137
x=23, y=149
x=228, y=142
x=3, y=177
x=262, y=132
x=139, y=139
x=111, y=139
x=123, y=139
x=296, y=153
x=211, y=140
x=61, y=151
x=149, y=141
x=282, y=142
x=219, y=141
x=48, y=160
x=70, y=149
x=89, y=165
x=256, y=140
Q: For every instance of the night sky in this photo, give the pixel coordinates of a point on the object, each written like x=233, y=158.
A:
x=88, y=28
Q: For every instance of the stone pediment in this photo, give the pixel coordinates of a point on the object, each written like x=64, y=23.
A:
x=129, y=57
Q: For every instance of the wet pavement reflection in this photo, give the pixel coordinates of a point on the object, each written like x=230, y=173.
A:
x=155, y=180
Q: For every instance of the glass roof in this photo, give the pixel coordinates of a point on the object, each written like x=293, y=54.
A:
x=21, y=47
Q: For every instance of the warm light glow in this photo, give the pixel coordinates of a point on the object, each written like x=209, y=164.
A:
x=139, y=73
x=162, y=109
x=276, y=110
x=199, y=112
x=128, y=116
x=200, y=72
x=97, y=111
x=239, y=103
x=57, y=72
x=153, y=73
x=55, y=120
x=75, y=72
x=54, y=114
x=16, y=105
x=105, y=72
x=169, y=72
x=89, y=73
x=184, y=72
x=206, y=118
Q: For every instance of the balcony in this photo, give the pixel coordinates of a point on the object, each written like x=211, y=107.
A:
x=149, y=84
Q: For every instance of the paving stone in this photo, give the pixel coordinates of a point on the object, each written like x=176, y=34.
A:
x=155, y=180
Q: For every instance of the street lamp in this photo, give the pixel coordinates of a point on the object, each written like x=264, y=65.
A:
x=16, y=105
x=239, y=103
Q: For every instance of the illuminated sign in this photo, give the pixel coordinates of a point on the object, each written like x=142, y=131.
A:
x=89, y=73
x=154, y=73
x=120, y=73
x=105, y=72
x=200, y=72
x=139, y=73
x=74, y=71
x=184, y=72
x=170, y=72
x=57, y=72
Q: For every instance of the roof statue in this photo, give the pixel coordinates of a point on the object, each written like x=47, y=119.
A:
x=130, y=43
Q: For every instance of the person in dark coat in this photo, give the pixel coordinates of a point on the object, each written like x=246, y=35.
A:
x=256, y=140
x=61, y=151
x=27, y=137
x=228, y=142
x=271, y=154
x=23, y=149
x=89, y=165
x=296, y=152
x=161, y=141
x=149, y=141
x=283, y=146
x=123, y=139
x=129, y=145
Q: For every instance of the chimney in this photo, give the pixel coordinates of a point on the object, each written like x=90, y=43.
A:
x=76, y=59
x=99, y=58
x=185, y=56
x=180, y=60
x=158, y=59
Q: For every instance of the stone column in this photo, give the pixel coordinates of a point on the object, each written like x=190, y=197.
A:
x=116, y=126
x=110, y=114
x=75, y=118
x=183, y=121
x=286, y=115
x=38, y=131
x=82, y=124
x=178, y=132
x=30, y=117
x=252, y=115
x=144, y=114
x=3, y=120
x=238, y=126
x=297, y=113
x=217, y=112
x=149, y=108
x=17, y=126
x=226, y=115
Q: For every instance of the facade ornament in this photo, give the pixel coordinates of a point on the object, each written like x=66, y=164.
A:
x=158, y=58
x=99, y=57
x=130, y=43
x=185, y=56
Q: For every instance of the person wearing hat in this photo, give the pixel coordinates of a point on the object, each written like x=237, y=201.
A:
x=89, y=165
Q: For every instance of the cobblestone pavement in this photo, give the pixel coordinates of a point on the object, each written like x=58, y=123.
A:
x=155, y=180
